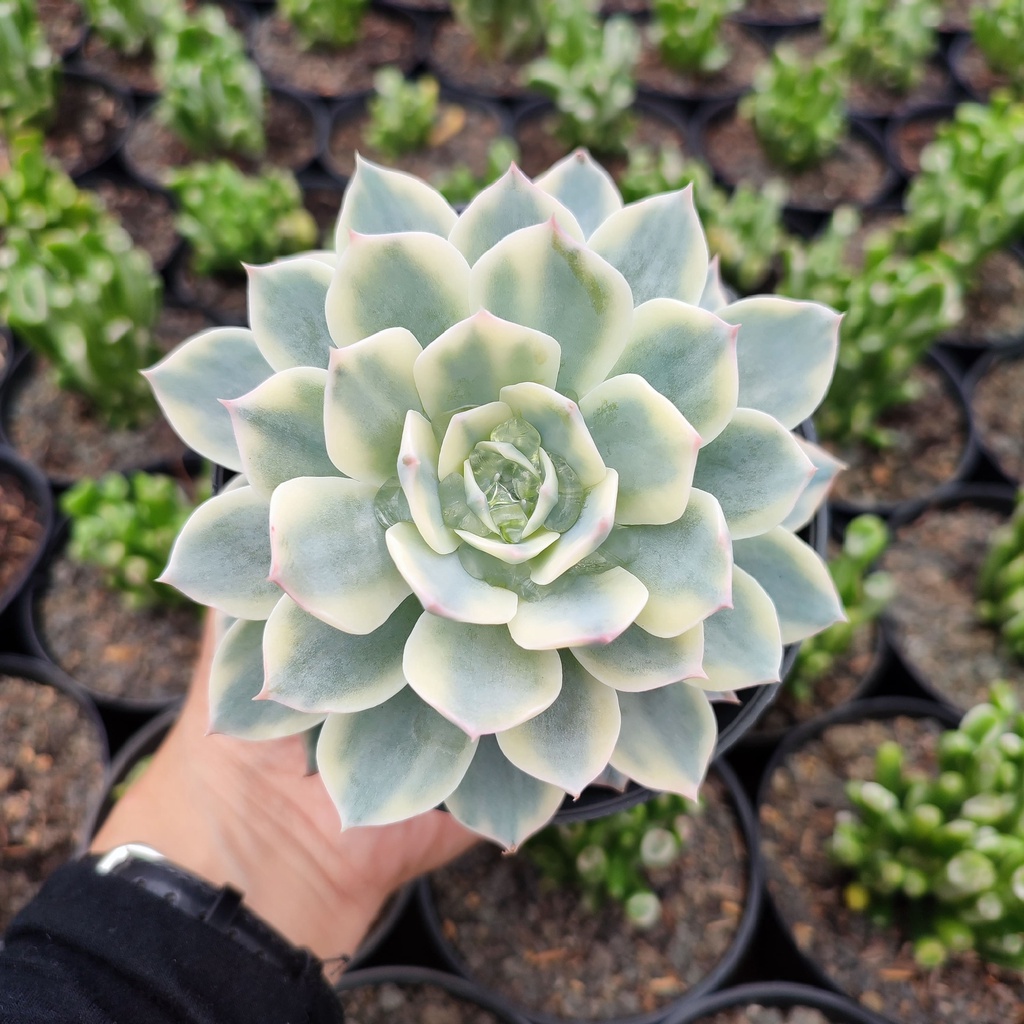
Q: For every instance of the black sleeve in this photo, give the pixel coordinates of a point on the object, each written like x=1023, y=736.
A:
x=94, y=949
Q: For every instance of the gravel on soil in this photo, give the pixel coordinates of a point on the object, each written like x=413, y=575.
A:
x=998, y=406
x=872, y=964
x=21, y=532
x=782, y=12
x=63, y=22
x=541, y=948
x=146, y=215
x=908, y=139
x=137, y=73
x=107, y=648
x=935, y=561
x=754, y=1014
x=389, y=1003
x=224, y=296
x=176, y=324
x=456, y=59
x=52, y=763
x=994, y=305
x=88, y=125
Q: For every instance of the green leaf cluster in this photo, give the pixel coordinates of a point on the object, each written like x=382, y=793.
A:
x=587, y=69
x=502, y=30
x=882, y=42
x=744, y=227
x=998, y=30
x=945, y=851
x=688, y=33
x=1001, y=581
x=609, y=858
x=28, y=71
x=228, y=216
x=461, y=185
x=402, y=113
x=212, y=94
x=798, y=107
x=864, y=595
x=968, y=199
x=324, y=22
x=127, y=528
x=74, y=288
x=131, y=26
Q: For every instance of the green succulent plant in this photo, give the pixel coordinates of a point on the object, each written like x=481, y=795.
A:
x=998, y=31
x=506, y=469
x=1001, y=581
x=502, y=30
x=968, y=199
x=798, y=107
x=864, y=595
x=688, y=33
x=228, y=216
x=28, y=69
x=402, y=113
x=609, y=858
x=587, y=69
x=131, y=26
x=211, y=93
x=324, y=22
x=883, y=42
x=945, y=851
x=74, y=288
x=127, y=528
x=460, y=184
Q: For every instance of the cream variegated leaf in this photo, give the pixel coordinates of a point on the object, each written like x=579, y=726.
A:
x=637, y=660
x=584, y=187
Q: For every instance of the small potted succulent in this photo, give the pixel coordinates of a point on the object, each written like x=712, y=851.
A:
x=525, y=473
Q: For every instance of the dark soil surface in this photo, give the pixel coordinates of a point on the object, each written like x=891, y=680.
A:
x=456, y=59
x=146, y=215
x=754, y=1014
x=542, y=949
x=151, y=149
x=994, y=306
x=782, y=12
x=854, y=173
x=88, y=126
x=748, y=55
x=908, y=139
x=136, y=73
x=935, y=562
x=416, y=5
x=872, y=964
x=462, y=135
x=58, y=431
x=929, y=438
x=63, y=22
x=836, y=687
x=956, y=15
x=6, y=352
x=109, y=649
x=324, y=202
x=999, y=414
x=222, y=295
x=410, y=1004
x=540, y=145
x=971, y=67
x=51, y=773
x=625, y=6
x=176, y=324
x=21, y=533
x=324, y=71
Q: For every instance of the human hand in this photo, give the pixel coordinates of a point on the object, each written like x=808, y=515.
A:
x=246, y=814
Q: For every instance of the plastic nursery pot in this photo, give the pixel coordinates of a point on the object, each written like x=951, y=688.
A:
x=464, y=129
x=719, y=972
x=970, y=70
x=408, y=977
x=835, y=1008
x=90, y=122
x=856, y=173
x=1002, y=443
x=8, y=354
x=908, y=134
x=26, y=522
x=952, y=384
x=956, y=621
x=781, y=14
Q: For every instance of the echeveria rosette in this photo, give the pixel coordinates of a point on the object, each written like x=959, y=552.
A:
x=518, y=496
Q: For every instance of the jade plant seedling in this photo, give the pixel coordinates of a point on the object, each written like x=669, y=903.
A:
x=507, y=470
x=211, y=93
x=333, y=23
x=945, y=851
x=688, y=33
x=798, y=107
x=997, y=28
x=502, y=30
x=611, y=858
x=864, y=594
x=127, y=527
x=587, y=69
x=1001, y=581
x=402, y=113
x=74, y=288
x=227, y=216
x=28, y=69
x=131, y=26
x=882, y=42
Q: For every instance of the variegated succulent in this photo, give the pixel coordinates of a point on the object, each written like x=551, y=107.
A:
x=518, y=496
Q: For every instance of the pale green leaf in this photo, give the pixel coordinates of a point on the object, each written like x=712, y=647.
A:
x=637, y=660
x=417, y=472
x=585, y=188
x=465, y=430
x=826, y=469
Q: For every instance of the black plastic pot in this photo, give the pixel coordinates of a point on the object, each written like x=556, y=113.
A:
x=450, y=957
x=958, y=50
x=784, y=995
x=913, y=121
x=36, y=487
x=991, y=364
x=780, y=21
x=124, y=114
x=460, y=988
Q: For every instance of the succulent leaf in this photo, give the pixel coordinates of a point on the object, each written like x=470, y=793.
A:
x=417, y=473
x=585, y=188
x=826, y=469
x=636, y=660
